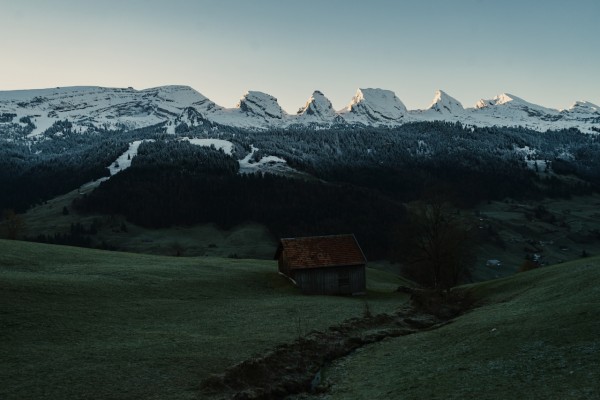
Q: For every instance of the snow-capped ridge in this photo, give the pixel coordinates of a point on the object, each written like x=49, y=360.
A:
x=91, y=107
x=515, y=111
x=510, y=100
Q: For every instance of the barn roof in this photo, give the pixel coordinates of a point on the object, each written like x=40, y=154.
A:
x=321, y=251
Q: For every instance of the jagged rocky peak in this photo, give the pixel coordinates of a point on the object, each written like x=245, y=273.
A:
x=445, y=104
x=500, y=99
x=318, y=106
x=483, y=103
x=260, y=104
x=376, y=105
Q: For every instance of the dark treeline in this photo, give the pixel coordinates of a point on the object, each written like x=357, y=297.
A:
x=478, y=164
x=432, y=146
x=79, y=235
x=33, y=170
x=184, y=158
x=154, y=194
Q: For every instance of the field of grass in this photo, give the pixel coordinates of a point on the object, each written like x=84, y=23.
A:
x=247, y=240
x=79, y=323
x=536, y=335
x=509, y=230
x=561, y=233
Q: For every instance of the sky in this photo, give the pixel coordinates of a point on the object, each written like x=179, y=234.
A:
x=545, y=52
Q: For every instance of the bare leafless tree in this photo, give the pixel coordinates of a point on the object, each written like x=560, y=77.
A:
x=13, y=224
x=437, y=245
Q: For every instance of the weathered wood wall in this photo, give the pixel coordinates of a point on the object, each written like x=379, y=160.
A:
x=331, y=280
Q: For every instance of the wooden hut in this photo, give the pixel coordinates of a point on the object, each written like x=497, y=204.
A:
x=323, y=264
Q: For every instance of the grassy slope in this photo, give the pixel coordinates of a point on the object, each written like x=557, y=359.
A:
x=572, y=232
x=79, y=323
x=576, y=219
x=536, y=336
x=247, y=240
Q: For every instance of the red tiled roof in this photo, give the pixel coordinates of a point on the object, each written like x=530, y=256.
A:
x=321, y=251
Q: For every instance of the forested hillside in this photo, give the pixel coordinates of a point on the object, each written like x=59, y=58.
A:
x=354, y=179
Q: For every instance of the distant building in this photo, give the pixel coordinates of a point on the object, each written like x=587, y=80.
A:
x=493, y=263
x=323, y=264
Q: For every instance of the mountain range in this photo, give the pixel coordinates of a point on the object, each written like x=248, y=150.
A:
x=126, y=108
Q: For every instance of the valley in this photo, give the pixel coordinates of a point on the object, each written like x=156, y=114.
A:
x=157, y=214
x=556, y=230
x=316, y=200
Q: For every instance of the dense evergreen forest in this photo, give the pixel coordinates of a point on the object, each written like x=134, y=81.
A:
x=60, y=160
x=359, y=177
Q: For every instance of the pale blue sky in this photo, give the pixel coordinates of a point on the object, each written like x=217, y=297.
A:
x=547, y=52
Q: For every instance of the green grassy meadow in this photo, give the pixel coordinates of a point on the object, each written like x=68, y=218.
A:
x=567, y=228
x=89, y=324
x=535, y=335
x=509, y=230
x=248, y=240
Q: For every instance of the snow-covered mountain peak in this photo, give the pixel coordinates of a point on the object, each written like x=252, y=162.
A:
x=317, y=106
x=584, y=107
x=507, y=99
x=583, y=111
x=260, y=104
x=445, y=104
x=504, y=98
x=509, y=110
x=374, y=106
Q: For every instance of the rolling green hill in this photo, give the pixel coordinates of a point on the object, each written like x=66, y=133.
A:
x=79, y=323
x=536, y=335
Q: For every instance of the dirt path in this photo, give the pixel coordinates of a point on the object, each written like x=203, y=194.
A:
x=296, y=367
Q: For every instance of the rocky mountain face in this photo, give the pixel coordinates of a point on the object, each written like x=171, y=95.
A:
x=318, y=110
x=445, y=104
x=34, y=111
x=375, y=107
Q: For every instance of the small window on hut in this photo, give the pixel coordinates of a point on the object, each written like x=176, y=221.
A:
x=343, y=278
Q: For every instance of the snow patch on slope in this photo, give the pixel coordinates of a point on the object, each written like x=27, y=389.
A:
x=120, y=164
x=124, y=160
x=218, y=144
x=267, y=164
